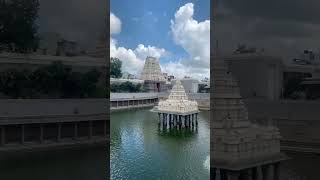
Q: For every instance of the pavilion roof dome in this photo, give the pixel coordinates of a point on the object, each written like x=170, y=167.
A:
x=177, y=101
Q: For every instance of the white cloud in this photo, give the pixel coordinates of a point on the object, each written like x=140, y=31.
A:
x=142, y=51
x=194, y=37
x=132, y=60
x=180, y=70
x=115, y=24
x=187, y=32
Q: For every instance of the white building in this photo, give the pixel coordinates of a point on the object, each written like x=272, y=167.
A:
x=259, y=75
x=190, y=85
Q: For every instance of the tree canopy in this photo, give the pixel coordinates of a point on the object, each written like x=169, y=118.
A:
x=18, y=28
x=115, y=68
x=126, y=87
x=54, y=81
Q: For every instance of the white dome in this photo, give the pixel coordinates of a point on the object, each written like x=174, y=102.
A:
x=178, y=101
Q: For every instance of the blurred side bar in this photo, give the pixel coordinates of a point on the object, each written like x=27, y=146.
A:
x=35, y=124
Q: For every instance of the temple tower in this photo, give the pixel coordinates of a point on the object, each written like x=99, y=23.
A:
x=154, y=80
x=240, y=149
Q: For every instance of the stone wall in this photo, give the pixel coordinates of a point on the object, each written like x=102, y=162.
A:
x=298, y=121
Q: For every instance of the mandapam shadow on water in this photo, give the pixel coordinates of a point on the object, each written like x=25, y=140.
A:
x=178, y=133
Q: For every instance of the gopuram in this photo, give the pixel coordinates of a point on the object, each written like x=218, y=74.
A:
x=240, y=149
x=154, y=80
x=177, y=111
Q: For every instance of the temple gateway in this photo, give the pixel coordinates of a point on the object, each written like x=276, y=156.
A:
x=154, y=80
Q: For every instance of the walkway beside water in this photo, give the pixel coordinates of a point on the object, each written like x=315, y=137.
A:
x=121, y=101
x=34, y=124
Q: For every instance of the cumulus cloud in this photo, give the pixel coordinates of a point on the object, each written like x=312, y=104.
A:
x=180, y=70
x=191, y=35
x=130, y=62
x=194, y=37
x=143, y=51
x=280, y=32
x=115, y=24
x=132, y=59
x=77, y=20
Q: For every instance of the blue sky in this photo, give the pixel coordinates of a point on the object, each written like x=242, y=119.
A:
x=148, y=23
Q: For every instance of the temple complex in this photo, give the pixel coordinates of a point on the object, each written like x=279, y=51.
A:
x=154, y=80
x=101, y=49
x=240, y=149
x=177, y=111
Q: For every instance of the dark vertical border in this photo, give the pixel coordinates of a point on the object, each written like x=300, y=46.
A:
x=212, y=18
x=108, y=86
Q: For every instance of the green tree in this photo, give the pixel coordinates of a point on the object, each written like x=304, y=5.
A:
x=126, y=87
x=292, y=87
x=15, y=83
x=51, y=79
x=115, y=67
x=18, y=30
x=89, y=83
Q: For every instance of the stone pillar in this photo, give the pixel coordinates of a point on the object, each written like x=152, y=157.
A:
x=75, y=130
x=3, y=135
x=90, y=130
x=177, y=121
x=170, y=120
x=233, y=175
x=41, y=133
x=163, y=116
x=22, y=134
x=249, y=174
x=159, y=118
x=165, y=122
x=258, y=174
x=277, y=171
x=192, y=120
x=185, y=121
x=196, y=119
x=59, y=132
x=105, y=128
x=173, y=120
x=218, y=174
x=269, y=172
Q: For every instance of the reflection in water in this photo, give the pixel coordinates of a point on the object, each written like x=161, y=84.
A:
x=301, y=166
x=140, y=150
x=206, y=163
